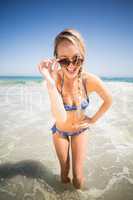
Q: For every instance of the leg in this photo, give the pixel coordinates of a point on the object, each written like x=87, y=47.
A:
x=62, y=149
x=78, y=146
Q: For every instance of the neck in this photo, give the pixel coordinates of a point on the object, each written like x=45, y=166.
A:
x=70, y=82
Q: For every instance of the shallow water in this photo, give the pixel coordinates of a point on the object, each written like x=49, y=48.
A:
x=29, y=169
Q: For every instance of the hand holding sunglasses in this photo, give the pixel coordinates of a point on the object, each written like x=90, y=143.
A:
x=49, y=68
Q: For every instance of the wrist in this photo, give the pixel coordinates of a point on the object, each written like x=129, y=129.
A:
x=93, y=119
x=50, y=84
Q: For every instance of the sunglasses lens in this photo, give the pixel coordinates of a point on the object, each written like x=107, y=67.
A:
x=64, y=62
x=77, y=61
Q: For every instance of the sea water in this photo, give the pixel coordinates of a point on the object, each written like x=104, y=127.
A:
x=29, y=167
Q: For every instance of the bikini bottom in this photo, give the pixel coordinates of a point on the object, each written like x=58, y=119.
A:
x=54, y=129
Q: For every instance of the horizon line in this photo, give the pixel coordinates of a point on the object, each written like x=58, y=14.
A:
x=108, y=76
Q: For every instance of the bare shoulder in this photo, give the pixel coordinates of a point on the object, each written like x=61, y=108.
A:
x=92, y=81
x=91, y=76
x=95, y=84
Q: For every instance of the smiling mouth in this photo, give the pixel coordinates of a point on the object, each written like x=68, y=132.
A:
x=71, y=71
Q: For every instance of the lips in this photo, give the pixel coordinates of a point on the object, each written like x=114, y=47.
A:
x=71, y=70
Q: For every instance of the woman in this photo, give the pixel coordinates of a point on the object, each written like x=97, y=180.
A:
x=69, y=87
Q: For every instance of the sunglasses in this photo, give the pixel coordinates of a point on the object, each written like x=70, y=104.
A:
x=76, y=60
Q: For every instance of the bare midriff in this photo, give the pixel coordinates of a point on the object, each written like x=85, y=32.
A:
x=73, y=121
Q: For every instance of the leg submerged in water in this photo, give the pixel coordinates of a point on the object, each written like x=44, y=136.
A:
x=62, y=149
x=78, y=146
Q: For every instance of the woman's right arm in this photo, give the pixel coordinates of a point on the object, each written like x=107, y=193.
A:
x=57, y=107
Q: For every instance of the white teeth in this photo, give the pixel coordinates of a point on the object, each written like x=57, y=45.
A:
x=71, y=70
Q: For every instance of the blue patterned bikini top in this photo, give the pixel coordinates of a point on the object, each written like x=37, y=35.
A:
x=84, y=103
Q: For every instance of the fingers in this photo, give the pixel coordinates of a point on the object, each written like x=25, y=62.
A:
x=80, y=126
x=48, y=68
x=55, y=65
x=84, y=123
x=44, y=64
x=47, y=62
x=50, y=64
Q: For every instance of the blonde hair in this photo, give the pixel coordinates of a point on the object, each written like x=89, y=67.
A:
x=72, y=36
x=75, y=38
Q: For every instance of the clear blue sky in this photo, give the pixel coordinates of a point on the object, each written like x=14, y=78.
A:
x=28, y=28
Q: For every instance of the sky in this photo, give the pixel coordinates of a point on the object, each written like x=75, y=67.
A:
x=28, y=29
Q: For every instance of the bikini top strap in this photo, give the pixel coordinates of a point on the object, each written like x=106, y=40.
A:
x=62, y=83
x=84, y=84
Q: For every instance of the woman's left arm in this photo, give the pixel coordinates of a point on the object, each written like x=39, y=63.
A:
x=95, y=84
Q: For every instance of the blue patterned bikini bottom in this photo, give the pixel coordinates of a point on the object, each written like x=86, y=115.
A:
x=54, y=129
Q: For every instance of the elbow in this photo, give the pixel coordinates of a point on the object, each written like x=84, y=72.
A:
x=109, y=101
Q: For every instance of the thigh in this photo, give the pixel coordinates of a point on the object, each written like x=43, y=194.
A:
x=61, y=146
x=78, y=147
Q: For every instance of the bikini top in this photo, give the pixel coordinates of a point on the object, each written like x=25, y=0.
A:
x=84, y=103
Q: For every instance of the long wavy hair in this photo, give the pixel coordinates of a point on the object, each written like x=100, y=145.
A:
x=76, y=39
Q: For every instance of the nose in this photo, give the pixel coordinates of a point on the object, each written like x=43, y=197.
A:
x=71, y=65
